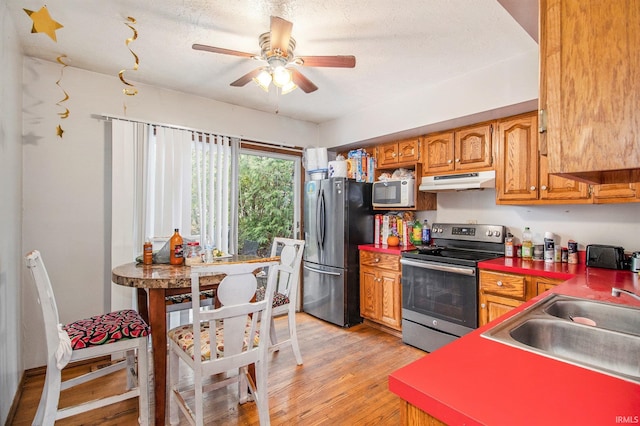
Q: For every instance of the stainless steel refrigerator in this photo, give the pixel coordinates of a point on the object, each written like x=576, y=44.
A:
x=338, y=217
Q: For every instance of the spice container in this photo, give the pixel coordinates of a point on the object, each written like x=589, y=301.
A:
x=572, y=252
x=508, y=246
x=557, y=254
x=565, y=255
x=193, y=255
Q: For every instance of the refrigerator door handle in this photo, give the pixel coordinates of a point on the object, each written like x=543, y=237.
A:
x=321, y=272
x=321, y=219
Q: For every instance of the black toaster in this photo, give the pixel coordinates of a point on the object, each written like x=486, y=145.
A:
x=601, y=256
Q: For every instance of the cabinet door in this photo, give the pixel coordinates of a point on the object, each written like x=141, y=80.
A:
x=616, y=193
x=542, y=284
x=369, y=294
x=473, y=148
x=390, y=312
x=438, y=153
x=492, y=307
x=590, y=58
x=387, y=155
x=408, y=150
x=555, y=188
x=517, y=159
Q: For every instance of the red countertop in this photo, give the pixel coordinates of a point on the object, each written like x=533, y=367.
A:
x=476, y=381
x=383, y=248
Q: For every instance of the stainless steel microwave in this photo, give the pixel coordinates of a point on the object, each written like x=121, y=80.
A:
x=393, y=193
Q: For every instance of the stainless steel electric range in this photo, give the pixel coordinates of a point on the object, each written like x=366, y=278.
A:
x=440, y=283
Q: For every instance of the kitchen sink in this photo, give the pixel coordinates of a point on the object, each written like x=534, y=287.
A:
x=611, y=346
x=621, y=318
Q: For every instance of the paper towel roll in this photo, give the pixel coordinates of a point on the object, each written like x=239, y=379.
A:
x=316, y=159
x=338, y=169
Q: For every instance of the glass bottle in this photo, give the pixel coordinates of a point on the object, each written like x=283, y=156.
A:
x=147, y=253
x=527, y=244
x=176, y=249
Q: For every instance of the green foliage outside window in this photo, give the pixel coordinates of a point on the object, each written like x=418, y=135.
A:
x=266, y=200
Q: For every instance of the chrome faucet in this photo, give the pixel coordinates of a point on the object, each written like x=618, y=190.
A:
x=616, y=292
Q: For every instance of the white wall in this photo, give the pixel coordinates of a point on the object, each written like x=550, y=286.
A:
x=67, y=180
x=503, y=84
x=612, y=224
x=11, y=264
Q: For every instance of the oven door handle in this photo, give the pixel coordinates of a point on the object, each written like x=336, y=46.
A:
x=440, y=267
x=321, y=272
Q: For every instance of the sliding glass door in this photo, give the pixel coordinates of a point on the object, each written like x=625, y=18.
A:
x=268, y=201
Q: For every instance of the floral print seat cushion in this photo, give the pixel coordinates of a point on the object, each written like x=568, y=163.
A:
x=279, y=299
x=107, y=328
x=183, y=336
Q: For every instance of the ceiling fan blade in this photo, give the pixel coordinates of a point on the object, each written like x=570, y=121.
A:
x=280, y=34
x=221, y=50
x=246, y=78
x=347, y=61
x=303, y=82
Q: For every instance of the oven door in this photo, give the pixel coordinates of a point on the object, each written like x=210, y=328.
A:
x=441, y=291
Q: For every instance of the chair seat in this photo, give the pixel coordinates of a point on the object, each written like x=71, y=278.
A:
x=279, y=299
x=186, y=297
x=107, y=328
x=183, y=336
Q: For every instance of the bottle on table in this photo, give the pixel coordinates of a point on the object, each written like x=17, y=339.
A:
x=527, y=244
x=147, y=253
x=176, y=249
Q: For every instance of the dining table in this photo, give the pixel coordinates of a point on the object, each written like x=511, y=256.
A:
x=154, y=283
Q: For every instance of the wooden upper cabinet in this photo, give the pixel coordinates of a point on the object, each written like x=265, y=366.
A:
x=465, y=149
x=406, y=150
x=616, y=193
x=473, y=148
x=590, y=89
x=555, y=189
x=517, y=159
x=438, y=153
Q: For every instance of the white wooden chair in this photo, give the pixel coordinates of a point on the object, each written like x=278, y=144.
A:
x=121, y=331
x=286, y=295
x=234, y=347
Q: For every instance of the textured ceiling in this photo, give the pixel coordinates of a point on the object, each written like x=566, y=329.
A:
x=399, y=45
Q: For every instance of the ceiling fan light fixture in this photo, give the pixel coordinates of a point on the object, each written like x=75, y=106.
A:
x=263, y=80
x=289, y=87
x=281, y=76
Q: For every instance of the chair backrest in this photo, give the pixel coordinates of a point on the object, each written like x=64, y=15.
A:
x=290, y=252
x=235, y=292
x=46, y=300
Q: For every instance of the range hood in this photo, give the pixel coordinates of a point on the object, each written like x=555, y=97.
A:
x=459, y=182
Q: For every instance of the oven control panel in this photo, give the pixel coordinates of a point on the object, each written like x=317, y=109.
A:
x=475, y=232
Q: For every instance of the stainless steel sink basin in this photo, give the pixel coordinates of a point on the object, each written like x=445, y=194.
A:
x=605, y=315
x=610, y=347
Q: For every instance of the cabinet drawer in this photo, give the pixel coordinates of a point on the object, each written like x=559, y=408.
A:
x=503, y=284
x=380, y=260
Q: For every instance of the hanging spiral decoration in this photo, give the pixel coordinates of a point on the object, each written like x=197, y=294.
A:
x=131, y=90
x=65, y=114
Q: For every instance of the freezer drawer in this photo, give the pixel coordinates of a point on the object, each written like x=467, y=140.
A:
x=328, y=294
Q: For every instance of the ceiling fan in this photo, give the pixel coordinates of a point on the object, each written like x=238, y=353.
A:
x=277, y=48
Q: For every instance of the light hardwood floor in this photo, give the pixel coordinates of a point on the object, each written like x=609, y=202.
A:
x=343, y=382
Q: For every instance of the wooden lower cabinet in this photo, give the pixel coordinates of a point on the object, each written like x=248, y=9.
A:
x=500, y=292
x=380, y=288
x=412, y=415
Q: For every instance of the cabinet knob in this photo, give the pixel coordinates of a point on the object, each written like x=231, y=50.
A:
x=543, y=187
x=393, y=155
x=377, y=259
x=533, y=188
x=449, y=161
x=499, y=283
x=457, y=160
x=483, y=306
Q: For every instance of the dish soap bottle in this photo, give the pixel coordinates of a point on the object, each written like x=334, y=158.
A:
x=527, y=244
x=176, y=249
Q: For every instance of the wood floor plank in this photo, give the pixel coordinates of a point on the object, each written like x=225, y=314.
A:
x=343, y=381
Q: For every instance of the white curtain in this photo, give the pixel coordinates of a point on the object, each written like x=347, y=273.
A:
x=165, y=178
x=129, y=159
